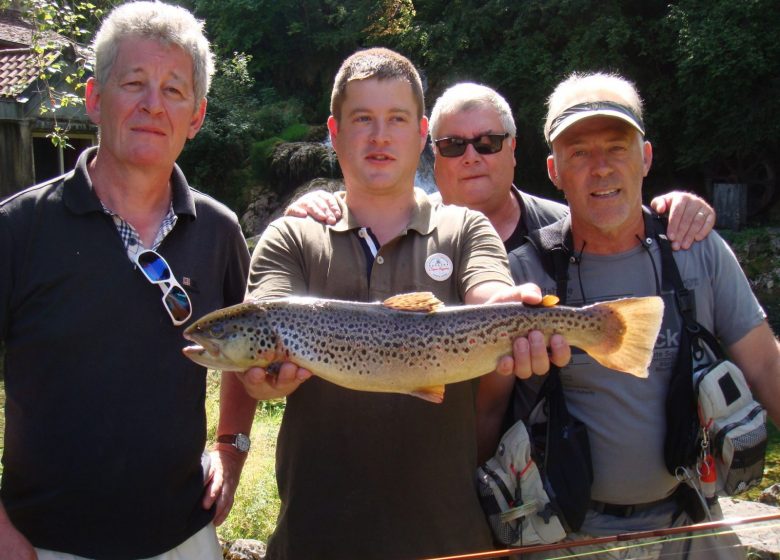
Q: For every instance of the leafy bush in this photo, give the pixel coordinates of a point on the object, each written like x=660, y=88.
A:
x=275, y=115
x=295, y=132
x=260, y=157
x=215, y=161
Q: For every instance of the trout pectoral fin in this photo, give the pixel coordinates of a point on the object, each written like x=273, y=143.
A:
x=434, y=394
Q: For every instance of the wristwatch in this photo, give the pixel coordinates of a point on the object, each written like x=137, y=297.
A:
x=239, y=441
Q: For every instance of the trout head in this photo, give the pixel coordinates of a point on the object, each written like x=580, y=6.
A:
x=232, y=339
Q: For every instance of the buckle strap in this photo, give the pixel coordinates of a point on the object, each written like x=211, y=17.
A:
x=626, y=510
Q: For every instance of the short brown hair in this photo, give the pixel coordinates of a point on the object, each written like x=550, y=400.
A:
x=379, y=63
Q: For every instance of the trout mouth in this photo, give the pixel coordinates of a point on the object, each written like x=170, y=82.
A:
x=202, y=341
x=204, y=351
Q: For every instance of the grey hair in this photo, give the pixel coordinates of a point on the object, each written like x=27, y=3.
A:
x=171, y=25
x=592, y=87
x=466, y=96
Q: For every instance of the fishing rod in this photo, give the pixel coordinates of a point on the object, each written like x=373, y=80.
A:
x=635, y=535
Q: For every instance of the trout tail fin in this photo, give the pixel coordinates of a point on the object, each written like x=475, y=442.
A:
x=632, y=326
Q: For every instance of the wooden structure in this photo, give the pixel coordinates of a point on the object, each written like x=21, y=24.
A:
x=27, y=155
x=730, y=202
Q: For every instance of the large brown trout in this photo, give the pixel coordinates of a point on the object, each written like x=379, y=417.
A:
x=412, y=343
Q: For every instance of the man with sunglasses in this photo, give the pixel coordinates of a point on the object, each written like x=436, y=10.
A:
x=105, y=421
x=376, y=475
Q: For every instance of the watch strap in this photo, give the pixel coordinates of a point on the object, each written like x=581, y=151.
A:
x=239, y=441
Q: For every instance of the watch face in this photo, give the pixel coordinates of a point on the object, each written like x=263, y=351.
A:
x=242, y=442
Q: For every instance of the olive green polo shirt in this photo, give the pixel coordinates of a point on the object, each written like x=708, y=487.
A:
x=446, y=250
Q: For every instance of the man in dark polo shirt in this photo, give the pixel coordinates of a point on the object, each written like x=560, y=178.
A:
x=372, y=475
x=101, y=269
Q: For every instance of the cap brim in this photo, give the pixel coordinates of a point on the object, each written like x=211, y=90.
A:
x=579, y=116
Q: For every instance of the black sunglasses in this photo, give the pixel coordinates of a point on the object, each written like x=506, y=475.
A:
x=157, y=271
x=453, y=146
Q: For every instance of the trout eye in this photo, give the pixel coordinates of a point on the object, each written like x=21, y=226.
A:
x=217, y=330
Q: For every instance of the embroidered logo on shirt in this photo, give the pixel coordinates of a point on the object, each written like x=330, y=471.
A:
x=439, y=267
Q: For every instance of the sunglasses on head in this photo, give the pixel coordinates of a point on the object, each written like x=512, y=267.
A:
x=453, y=146
x=157, y=271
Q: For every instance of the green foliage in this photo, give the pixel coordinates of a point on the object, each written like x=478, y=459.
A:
x=756, y=249
x=215, y=160
x=75, y=19
x=296, y=45
x=275, y=115
x=295, y=132
x=241, y=128
x=275, y=120
x=534, y=45
x=726, y=58
x=260, y=157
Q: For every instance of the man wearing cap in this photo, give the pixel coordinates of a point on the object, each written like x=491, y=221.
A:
x=599, y=160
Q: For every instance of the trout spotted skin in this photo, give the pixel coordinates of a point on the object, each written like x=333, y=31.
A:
x=412, y=343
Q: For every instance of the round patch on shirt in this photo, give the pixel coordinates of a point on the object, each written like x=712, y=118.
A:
x=439, y=267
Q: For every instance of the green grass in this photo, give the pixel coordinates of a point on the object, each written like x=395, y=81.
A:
x=256, y=505
x=771, y=464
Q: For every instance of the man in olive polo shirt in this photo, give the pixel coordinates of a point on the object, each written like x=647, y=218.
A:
x=370, y=475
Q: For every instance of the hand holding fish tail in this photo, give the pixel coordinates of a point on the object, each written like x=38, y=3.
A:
x=263, y=385
x=559, y=350
x=530, y=356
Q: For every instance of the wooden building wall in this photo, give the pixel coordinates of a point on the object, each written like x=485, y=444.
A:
x=16, y=165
